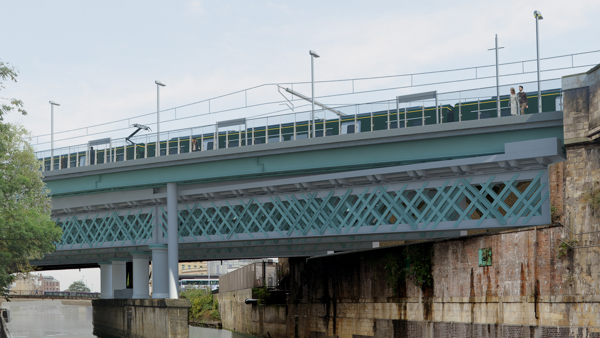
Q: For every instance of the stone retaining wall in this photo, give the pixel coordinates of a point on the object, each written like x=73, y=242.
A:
x=120, y=318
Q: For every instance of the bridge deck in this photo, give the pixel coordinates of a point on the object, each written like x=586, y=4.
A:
x=312, y=196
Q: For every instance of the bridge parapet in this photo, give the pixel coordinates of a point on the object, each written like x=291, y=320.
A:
x=396, y=114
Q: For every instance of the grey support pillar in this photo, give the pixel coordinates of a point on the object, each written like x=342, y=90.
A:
x=160, y=267
x=173, y=240
x=119, y=275
x=106, y=289
x=141, y=271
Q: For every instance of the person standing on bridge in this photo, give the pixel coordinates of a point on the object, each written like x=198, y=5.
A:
x=513, y=103
x=92, y=156
x=522, y=100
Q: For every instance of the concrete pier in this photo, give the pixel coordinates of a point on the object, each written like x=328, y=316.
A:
x=125, y=318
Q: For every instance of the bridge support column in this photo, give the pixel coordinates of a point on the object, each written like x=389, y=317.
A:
x=119, y=275
x=106, y=289
x=173, y=240
x=141, y=271
x=160, y=267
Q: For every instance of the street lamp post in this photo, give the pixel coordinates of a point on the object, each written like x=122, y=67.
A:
x=497, y=77
x=538, y=16
x=52, y=104
x=313, y=55
x=158, y=85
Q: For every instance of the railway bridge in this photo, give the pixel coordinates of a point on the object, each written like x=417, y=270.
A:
x=302, y=197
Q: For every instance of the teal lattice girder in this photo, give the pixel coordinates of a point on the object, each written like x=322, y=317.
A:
x=459, y=203
x=115, y=228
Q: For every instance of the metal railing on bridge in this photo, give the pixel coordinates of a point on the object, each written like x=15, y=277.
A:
x=439, y=108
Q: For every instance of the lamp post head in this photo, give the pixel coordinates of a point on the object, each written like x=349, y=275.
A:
x=54, y=103
x=160, y=83
x=537, y=15
x=313, y=53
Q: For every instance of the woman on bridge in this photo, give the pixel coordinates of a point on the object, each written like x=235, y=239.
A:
x=513, y=102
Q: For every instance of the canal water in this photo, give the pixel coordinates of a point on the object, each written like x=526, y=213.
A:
x=71, y=319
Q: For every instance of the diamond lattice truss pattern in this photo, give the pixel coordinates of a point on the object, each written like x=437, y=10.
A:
x=112, y=228
x=452, y=204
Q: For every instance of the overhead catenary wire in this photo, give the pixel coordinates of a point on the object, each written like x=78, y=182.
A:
x=347, y=80
x=323, y=96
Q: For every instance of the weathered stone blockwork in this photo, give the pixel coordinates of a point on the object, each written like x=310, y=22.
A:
x=527, y=288
x=137, y=318
x=260, y=320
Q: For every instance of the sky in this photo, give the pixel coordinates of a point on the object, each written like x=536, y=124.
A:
x=99, y=59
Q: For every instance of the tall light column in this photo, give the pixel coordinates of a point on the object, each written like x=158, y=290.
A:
x=52, y=104
x=538, y=16
x=173, y=240
x=313, y=55
x=158, y=85
x=497, y=77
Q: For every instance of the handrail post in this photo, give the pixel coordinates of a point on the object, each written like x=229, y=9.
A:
x=405, y=119
x=423, y=115
x=459, y=111
x=398, y=112
x=437, y=116
x=478, y=110
x=216, y=138
x=389, y=121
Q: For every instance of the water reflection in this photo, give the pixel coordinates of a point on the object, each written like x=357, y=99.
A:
x=201, y=332
x=48, y=318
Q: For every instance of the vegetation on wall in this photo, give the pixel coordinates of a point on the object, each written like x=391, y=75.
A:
x=262, y=294
x=592, y=198
x=564, y=247
x=205, y=306
x=414, y=261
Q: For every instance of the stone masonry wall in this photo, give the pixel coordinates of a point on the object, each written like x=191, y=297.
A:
x=528, y=287
x=543, y=282
x=257, y=320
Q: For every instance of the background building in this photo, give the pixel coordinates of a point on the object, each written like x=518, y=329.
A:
x=215, y=268
x=50, y=283
x=193, y=268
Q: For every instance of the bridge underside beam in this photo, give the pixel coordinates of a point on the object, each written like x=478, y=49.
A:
x=309, y=215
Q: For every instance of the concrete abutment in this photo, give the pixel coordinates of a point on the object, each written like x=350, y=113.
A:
x=129, y=318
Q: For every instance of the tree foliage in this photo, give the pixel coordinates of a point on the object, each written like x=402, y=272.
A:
x=9, y=73
x=26, y=230
x=78, y=286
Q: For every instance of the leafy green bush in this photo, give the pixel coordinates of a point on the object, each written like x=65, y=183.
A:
x=262, y=294
x=204, y=305
x=412, y=261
